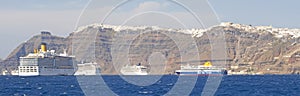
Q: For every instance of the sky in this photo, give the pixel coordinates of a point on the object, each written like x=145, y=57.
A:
x=20, y=20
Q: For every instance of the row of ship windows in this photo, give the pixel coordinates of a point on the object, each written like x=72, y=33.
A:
x=27, y=67
x=28, y=70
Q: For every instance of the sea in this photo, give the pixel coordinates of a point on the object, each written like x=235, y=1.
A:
x=105, y=85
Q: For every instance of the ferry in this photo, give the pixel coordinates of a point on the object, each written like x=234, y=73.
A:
x=134, y=70
x=46, y=62
x=201, y=70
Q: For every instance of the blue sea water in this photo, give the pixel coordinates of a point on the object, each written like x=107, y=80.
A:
x=274, y=85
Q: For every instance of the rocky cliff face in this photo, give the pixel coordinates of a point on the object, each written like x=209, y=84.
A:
x=53, y=43
x=249, y=49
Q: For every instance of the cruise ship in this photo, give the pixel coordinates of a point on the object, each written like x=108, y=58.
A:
x=87, y=69
x=46, y=62
x=134, y=70
x=201, y=70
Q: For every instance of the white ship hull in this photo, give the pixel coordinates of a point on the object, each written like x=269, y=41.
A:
x=28, y=74
x=201, y=72
x=134, y=73
x=35, y=71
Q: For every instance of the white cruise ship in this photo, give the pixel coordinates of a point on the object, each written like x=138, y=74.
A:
x=87, y=69
x=134, y=70
x=46, y=62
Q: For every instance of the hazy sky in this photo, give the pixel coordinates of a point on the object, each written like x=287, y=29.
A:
x=20, y=20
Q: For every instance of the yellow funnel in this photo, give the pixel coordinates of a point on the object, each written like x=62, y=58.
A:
x=207, y=64
x=43, y=47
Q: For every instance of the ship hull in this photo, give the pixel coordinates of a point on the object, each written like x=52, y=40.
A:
x=134, y=73
x=57, y=72
x=46, y=72
x=35, y=71
x=201, y=72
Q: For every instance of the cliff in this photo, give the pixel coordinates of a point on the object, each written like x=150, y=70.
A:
x=250, y=49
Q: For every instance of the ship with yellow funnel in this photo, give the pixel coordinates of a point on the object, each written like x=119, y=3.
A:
x=201, y=70
x=46, y=62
